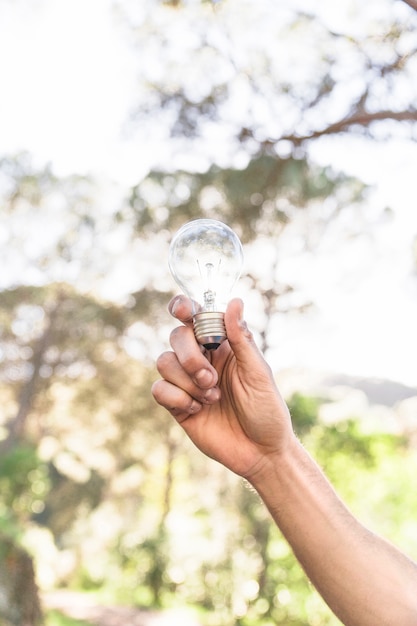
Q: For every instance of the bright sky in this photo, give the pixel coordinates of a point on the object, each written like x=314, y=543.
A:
x=66, y=79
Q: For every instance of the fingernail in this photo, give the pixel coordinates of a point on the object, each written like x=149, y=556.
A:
x=204, y=378
x=212, y=395
x=174, y=305
x=195, y=407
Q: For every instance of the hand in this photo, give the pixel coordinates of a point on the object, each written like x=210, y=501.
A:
x=226, y=400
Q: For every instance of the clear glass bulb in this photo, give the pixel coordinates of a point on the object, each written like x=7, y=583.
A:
x=205, y=259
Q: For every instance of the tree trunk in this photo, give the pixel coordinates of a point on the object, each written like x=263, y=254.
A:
x=19, y=599
x=16, y=426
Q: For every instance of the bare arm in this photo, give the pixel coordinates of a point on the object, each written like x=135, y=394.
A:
x=228, y=404
x=364, y=579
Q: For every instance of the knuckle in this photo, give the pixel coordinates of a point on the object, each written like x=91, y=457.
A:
x=189, y=363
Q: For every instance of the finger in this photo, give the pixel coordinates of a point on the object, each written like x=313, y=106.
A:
x=183, y=309
x=175, y=400
x=172, y=371
x=240, y=337
x=192, y=360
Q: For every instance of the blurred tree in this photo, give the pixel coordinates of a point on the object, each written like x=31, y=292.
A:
x=19, y=601
x=257, y=200
x=48, y=223
x=70, y=380
x=239, y=115
x=219, y=77
x=260, y=202
x=65, y=367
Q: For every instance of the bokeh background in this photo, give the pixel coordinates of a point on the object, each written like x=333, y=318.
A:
x=119, y=121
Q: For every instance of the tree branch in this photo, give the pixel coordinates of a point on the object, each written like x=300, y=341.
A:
x=362, y=118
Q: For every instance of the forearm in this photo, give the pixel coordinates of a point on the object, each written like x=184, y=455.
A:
x=364, y=579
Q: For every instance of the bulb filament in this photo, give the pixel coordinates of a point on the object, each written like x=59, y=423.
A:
x=209, y=293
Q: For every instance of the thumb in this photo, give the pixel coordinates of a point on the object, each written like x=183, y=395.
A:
x=240, y=337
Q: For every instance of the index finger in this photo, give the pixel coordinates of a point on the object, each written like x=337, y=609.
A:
x=183, y=309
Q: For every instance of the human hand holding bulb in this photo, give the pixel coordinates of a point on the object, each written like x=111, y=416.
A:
x=215, y=394
x=226, y=400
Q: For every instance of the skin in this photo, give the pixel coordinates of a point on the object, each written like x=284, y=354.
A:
x=229, y=405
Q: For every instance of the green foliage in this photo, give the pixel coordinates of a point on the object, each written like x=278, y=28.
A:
x=24, y=484
x=345, y=450
x=234, y=564
x=304, y=412
x=55, y=618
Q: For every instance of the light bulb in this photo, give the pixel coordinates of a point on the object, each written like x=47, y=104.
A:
x=205, y=259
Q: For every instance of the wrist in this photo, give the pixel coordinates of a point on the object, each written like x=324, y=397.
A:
x=273, y=467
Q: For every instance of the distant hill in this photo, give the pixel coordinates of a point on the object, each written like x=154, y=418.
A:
x=377, y=390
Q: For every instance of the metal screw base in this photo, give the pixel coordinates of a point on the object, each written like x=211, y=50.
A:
x=209, y=329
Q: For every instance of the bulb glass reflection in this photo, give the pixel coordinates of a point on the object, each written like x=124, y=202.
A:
x=205, y=259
